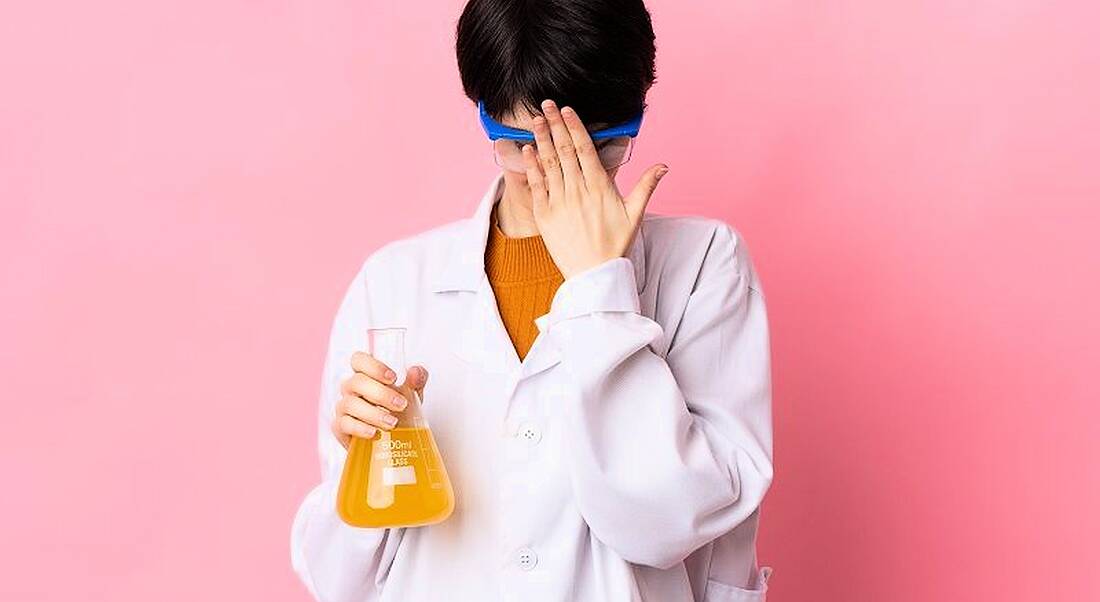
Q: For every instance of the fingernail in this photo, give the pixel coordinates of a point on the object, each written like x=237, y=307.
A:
x=390, y=420
x=390, y=375
x=400, y=402
x=567, y=110
x=661, y=173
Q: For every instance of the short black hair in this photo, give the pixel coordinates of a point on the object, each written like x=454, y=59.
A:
x=596, y=56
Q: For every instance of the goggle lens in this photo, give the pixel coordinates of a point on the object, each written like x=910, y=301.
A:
x=613, y=152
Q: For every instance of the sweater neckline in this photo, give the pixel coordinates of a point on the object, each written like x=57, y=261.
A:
x=517, y=259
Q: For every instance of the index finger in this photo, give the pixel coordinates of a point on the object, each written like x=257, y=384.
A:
x=366, y=363
x=594, y=173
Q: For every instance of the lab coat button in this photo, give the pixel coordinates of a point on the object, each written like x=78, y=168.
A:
x=527, y=559
x=529, y=432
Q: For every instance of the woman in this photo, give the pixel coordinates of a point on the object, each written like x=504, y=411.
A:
x=601, y=389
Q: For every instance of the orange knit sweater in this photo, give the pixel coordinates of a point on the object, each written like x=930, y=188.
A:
x=524, y=279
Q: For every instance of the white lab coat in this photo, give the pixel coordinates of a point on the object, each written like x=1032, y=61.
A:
x=624, y=459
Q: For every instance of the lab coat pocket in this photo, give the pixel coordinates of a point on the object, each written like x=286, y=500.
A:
x=721, y=592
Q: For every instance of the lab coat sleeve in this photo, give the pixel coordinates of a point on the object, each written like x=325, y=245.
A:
x=336, y=561
x=665, y=453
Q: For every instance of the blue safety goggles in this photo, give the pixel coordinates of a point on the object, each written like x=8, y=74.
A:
x=613, y=144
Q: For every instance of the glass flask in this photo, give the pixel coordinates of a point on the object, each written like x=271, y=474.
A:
x=395, y=478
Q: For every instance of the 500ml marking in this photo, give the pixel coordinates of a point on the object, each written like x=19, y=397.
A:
x=395, y=452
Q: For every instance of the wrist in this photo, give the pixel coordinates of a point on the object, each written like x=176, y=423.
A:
x=588, y=264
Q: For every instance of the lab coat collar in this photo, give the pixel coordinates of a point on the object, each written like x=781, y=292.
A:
x=464, y=263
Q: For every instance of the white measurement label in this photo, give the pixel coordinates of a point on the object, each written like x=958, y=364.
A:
x=398, y=475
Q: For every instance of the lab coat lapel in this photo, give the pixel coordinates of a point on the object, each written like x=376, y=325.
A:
x=483, y=339
x=479, y=335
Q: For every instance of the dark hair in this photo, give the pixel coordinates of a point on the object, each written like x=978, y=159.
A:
x=596, y=56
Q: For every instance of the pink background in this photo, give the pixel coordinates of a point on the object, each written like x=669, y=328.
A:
x=187, y=187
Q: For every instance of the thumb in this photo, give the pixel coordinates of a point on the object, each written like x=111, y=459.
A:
x=638, y=198
x=417, y=377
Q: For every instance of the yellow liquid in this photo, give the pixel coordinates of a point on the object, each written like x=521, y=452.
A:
x=395, y=479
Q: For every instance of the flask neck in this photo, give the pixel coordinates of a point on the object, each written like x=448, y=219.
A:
x=412, y=416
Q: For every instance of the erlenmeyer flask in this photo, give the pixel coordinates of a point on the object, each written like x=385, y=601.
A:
x=396, y=478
